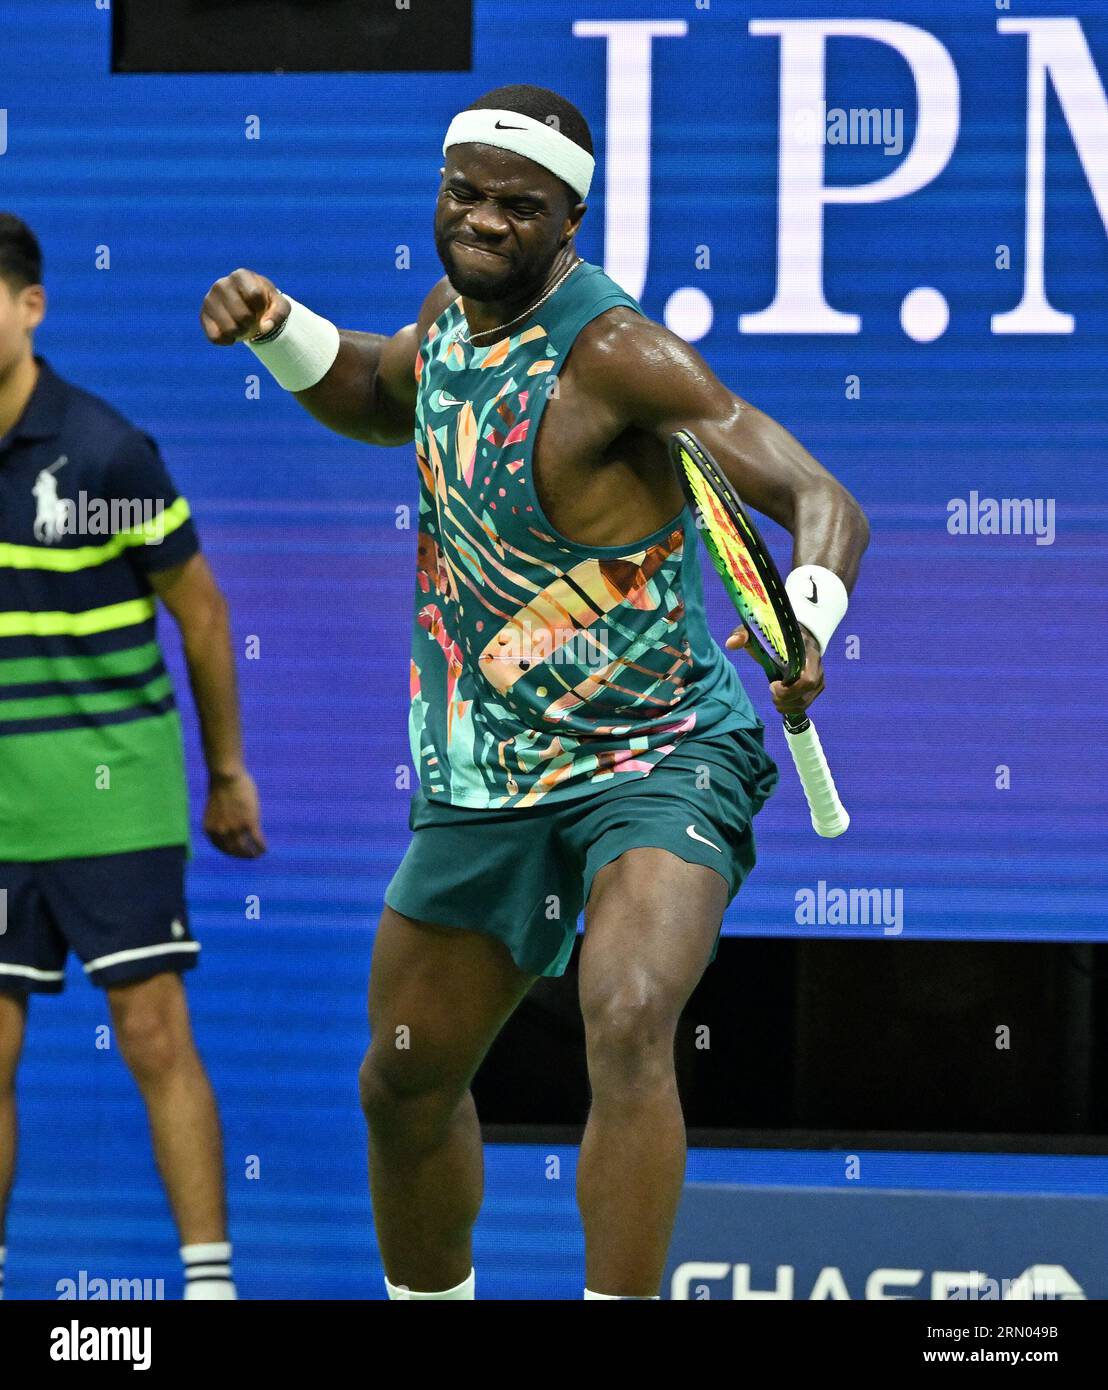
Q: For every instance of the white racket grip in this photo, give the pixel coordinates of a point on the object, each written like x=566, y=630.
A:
x=829, y=815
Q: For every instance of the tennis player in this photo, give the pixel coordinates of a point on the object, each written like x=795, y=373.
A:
x=580, y=738
x=93, y=806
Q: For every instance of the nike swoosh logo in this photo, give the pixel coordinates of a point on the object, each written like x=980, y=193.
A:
x=691, y=833
x=812, y=596
x=498, y=126
x=444, y=399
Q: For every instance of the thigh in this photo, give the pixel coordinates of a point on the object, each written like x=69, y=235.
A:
x=651, y=923
x=663, y=857
x=438, y=996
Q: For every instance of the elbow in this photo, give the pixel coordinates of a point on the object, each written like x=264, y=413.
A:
x=852, y=518
x=204, y=621
x=861, y=525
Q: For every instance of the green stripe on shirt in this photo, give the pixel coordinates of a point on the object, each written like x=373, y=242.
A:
x=37, y=557
x=115, y=615
x=103, y=702
x=33, y=670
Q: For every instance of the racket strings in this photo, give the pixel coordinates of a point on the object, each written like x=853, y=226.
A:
x=733, y=559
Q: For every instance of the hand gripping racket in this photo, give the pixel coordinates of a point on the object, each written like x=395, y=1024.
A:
x=776, y=642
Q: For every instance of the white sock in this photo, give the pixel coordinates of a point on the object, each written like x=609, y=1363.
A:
x=638, y=1297
x=3, y=1257
x=463, y=1290
x=208, y=1271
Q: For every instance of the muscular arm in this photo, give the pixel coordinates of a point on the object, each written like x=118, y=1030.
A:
x=652, y=380
x=644, y=377
x=369, y=392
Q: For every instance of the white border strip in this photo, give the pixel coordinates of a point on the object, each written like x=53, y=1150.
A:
x=139, y=953
x=28, y=972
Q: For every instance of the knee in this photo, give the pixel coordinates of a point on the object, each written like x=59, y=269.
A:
x=376, y=1091
x=629, y=1040
x=148, y=1041
x=402, y=1106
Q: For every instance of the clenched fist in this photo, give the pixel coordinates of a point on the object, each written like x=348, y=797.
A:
x=241, y=305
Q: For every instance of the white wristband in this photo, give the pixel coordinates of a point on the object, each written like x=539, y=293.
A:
x=819, y=600
x=302, y=352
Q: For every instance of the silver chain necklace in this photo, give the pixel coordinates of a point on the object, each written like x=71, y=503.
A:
x=462, y=332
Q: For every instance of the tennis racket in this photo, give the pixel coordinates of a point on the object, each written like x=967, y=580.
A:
x=776, y=642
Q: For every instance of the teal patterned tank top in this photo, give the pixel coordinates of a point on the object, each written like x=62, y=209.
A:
x=542, y=669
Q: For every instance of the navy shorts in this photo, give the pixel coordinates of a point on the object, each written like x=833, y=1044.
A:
x=123, y=914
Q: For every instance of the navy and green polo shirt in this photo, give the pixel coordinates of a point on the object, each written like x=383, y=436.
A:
x=91, y=759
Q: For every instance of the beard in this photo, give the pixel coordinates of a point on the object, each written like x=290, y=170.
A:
x=474, y=281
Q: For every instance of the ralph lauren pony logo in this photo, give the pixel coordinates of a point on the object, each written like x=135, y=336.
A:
x=49, y=508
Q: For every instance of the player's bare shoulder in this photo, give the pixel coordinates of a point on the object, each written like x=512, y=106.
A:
x=396, y=380
x=438, y=300
x=626, y=359
x=613, y=337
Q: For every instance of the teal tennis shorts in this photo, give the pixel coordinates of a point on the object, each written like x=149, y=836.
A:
x=525, y=875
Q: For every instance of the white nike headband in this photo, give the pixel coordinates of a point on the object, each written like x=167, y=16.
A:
x=508, y=130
